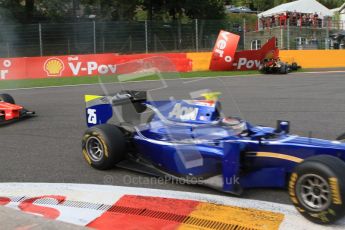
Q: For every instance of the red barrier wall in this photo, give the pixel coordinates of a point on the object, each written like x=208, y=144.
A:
x=86, y=65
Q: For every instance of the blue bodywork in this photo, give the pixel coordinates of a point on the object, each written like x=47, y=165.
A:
x=188, y=139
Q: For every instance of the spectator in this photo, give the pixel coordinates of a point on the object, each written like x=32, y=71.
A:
x=273, y=21
x=294, y=18
x=282, y=19
x=310, y=19
x=315, y=19
x=299, y=20
x=277, y=19
x=304, y=20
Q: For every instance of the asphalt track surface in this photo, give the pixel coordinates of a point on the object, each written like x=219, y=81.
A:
x=47, y=148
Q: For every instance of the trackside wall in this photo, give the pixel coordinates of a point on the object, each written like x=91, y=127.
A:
x=305, y=58
x=106, y=64
x=315, y=58
x=87, y=65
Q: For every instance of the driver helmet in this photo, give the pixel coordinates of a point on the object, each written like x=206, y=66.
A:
x=238, y=125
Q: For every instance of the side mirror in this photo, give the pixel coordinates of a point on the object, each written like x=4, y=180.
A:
x=283, y=126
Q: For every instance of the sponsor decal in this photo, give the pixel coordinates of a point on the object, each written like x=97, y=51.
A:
x=91, y=67
x=248, y=64
x=225, y=57
x=83, y=65
x=54, y=67
x=92, y=116
x=335, y=190
x=6, y=64
x=224, y=50
x=292, y=183
x=207, y=103
x=221, y=46
x=184, y=113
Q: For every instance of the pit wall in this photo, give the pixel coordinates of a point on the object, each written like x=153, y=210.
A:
x=305, y=58
x=108, y=64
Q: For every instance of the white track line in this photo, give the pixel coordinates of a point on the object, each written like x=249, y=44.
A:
x=329, y=71
x=110, y=83
x=189, y=80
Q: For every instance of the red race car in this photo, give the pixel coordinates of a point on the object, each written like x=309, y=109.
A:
x=9, y=111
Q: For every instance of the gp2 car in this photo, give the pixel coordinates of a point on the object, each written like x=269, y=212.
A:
x=10, y=112
x=276, y=66
x=190, y=140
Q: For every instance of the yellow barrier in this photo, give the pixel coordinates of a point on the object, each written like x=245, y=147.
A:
x=304, y=58
x=315, y=58
x=201, y=61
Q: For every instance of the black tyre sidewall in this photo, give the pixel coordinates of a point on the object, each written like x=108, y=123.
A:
x=283, y=69
x=114, y=144
x=7, y=98
x=335, y=210
x=341, y=137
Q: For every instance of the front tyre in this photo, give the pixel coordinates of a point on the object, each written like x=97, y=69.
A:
x=6, y=98
x=317, y=189
x=104, y=146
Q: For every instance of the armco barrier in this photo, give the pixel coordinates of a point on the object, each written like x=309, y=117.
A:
x=87, y=65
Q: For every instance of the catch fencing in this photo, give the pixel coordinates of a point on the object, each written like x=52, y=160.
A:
x=127, y=37
x=123, y=37
x=299, y=35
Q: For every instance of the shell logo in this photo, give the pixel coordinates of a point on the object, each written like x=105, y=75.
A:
x=54, y=67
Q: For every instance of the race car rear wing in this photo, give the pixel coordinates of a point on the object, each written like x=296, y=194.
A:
x=120, y=98
x=99, y=109
x=127, y=96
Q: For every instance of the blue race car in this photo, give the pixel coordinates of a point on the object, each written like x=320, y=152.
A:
x=190, y=140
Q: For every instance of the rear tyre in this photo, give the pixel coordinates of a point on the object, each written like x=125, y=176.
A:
x=104, y=146
x=284, y=69
x=6, y=98
x=317, y=189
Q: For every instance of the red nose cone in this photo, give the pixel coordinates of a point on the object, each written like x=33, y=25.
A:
x=10, y=111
